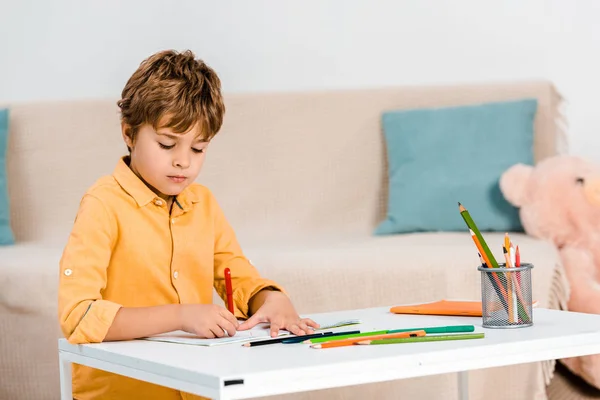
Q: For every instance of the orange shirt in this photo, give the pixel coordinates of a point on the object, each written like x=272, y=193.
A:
x=126, y=249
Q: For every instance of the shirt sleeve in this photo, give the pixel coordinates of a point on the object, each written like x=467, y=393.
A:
x=83, y=315
x=245, y=279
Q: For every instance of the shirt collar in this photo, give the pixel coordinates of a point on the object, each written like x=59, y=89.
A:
x=140, y=192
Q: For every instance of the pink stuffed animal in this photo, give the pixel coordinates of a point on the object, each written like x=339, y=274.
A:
x=559, y=200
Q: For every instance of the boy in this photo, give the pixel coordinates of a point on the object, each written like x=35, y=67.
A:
x=148, y=243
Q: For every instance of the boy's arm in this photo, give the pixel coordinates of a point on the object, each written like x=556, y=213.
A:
x=83, y=315
x=245, y=279
x=136, y=322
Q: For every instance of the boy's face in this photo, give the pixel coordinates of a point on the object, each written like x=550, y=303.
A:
x=168, y=162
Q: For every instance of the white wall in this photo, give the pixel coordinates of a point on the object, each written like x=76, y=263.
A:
x=64, y=49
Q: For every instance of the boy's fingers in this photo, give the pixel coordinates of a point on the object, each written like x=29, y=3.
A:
x=310, y=322
x=227, y=326
x=229, y=317
x=217, y=331
x=251, y=322
x=275, y=327
x=305, y=327
x=296, y=330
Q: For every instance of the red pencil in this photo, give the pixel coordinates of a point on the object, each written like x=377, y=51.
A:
x=518, y=263
x=229, y=290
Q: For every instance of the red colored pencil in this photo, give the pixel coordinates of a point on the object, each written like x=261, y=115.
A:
x=229, y=290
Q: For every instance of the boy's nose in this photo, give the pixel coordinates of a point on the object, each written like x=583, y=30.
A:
x=181, y=161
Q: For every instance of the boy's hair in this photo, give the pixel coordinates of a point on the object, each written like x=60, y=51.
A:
x=175, y=90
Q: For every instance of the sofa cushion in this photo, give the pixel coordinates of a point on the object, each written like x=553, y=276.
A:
x=6, y=234
x=29, y=315
x=439, y=156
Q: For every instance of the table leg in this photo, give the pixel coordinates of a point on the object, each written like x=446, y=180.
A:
x=66, y=388
x=463, y=385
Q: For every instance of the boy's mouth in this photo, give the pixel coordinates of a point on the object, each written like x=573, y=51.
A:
x=177, y=178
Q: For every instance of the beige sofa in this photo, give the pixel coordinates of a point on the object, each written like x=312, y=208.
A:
x=302, y=179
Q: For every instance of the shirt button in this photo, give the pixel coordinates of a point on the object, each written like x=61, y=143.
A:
x=173, y=220
x=175, y=274
x=68, y=272
x=158, y=202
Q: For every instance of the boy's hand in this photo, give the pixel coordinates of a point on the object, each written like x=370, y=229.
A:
x=276, y=308
x=207, y=320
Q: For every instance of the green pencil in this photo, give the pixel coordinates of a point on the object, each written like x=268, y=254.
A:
x=439, y=329
x=340, y=337
x=460, y=336
x=471, y=225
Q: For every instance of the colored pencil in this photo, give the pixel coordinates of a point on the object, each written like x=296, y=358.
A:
x=281, y=339
x=483, y=263
x=439, y=329
x=517, y=289
x=341, y=337
x=511, y=293
x=460, y=336
x=510, y=287
x=479, y=248
x=495, y=280
x=518, y=263
x=271, y=341
x=513, y=256
x=229, y=290
x=507, y=242
x=352, y=341
x=324, y=335
x=471, y=224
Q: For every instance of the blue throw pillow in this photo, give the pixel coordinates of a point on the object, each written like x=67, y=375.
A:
x=6, y=234
x=441, y=156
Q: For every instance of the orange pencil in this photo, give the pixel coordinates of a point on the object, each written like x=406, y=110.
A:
x=499, y=284
x=479, y=248
x=353, y=341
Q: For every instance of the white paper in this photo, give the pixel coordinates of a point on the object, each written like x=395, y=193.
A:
x=259, y=332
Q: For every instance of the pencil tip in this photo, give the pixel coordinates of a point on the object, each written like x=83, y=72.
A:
x=504, y=250
x=316, y=346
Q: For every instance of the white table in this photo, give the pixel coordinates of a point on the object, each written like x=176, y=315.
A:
x=258, y=371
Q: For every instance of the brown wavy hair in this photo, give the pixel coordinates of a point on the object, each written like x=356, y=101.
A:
x=174, y=90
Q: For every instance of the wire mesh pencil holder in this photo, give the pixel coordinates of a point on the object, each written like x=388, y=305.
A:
x=506, y=299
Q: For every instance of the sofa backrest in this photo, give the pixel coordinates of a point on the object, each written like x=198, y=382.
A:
x=283, y=166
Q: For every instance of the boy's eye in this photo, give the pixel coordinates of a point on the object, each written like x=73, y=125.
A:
x=197, y=150
x=164, y=146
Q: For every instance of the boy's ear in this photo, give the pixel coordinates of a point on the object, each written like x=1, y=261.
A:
x=127, y=137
